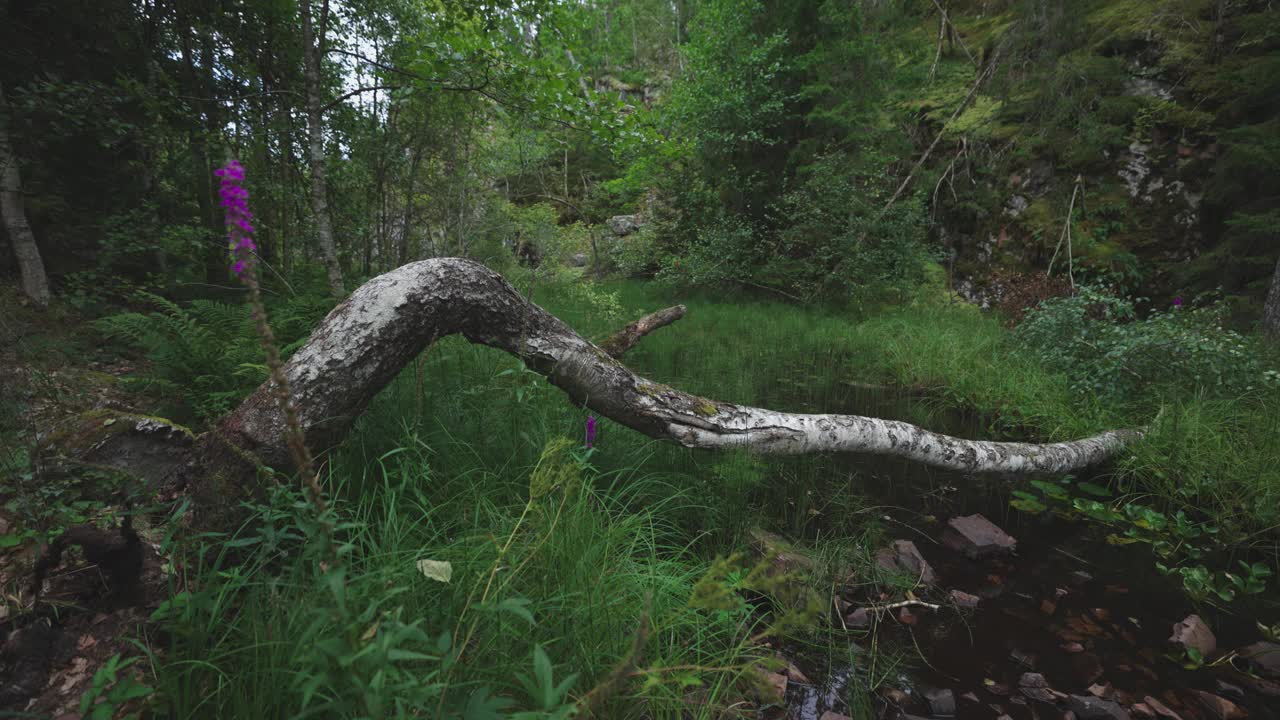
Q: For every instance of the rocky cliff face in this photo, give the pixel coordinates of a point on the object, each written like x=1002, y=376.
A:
x=1136, y=116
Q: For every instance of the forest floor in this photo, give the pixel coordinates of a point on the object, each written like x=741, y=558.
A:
x=440, y=467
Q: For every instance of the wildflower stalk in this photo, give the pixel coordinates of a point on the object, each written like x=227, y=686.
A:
x=240, y=238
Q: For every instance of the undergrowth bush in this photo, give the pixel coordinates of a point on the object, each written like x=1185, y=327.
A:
x=1098, y=340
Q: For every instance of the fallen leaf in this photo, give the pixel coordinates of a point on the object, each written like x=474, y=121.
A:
x=440, y=570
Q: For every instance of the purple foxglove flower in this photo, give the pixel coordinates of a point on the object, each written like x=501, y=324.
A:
x=235, y=200
x=591, y=430
x=1177, y=302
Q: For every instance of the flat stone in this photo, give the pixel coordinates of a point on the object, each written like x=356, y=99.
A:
x=1040, y=695
x=904, y=557
x=859, y=619
x=1228, y=691
x=977, y=537
x=1103, y=691
x=1142, y=710
x=1160, y=708
x=1032, y=680
x=1072, y=648
x=1087, y=707
x=1264, y=657
x=942, y=702
x=1262, y=686
x=964, y=600
x=777, y=681
x=1192, y=632
x=1220, y=708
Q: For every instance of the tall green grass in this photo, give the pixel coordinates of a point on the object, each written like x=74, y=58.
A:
x=439, y=468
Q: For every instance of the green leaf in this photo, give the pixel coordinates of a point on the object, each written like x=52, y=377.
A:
x=1052, y=490
x=7, y=541
x=517, y=607
x=483, y=706
x=1030, y=506
x=1095, y=490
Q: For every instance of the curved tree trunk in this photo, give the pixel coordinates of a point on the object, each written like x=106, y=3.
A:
x=371, y=336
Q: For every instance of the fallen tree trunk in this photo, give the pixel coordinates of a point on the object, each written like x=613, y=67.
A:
x=384, y=324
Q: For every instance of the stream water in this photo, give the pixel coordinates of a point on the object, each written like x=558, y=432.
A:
x=1066, y=605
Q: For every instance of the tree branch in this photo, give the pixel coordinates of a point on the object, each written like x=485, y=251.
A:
x=625, y=339
x=341, y=98
x=369, y=338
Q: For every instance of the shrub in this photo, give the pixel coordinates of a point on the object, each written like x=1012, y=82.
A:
x=1099, y=341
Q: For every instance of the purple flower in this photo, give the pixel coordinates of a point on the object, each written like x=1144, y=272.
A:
x=235, y=202
x=1177, y=302
x=591, y=430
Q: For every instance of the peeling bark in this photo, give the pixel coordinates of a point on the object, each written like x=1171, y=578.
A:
x=369, y=338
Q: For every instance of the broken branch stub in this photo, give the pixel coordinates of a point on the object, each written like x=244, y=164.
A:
x=371, y=336
x=625, y=339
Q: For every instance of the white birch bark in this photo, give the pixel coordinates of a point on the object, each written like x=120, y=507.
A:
x=35, y=283
x=313, y=48
x=369, y=338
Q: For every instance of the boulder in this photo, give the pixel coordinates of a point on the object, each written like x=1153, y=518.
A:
x=624, y=225
x=977, y=537
x=1193, y=633
x=578, y=260
x=903, y=556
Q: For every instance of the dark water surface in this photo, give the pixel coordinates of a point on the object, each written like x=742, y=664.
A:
x=1067, y=605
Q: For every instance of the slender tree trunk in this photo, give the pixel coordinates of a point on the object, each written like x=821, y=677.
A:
x=211, y=253
x=313, y=42
x=31, y=267
x=402, y=254
x=1271, y=311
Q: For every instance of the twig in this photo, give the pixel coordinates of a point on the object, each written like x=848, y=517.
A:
x=955, y=32
x=973, y=91
x=1066, y=234
x=902, y=604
